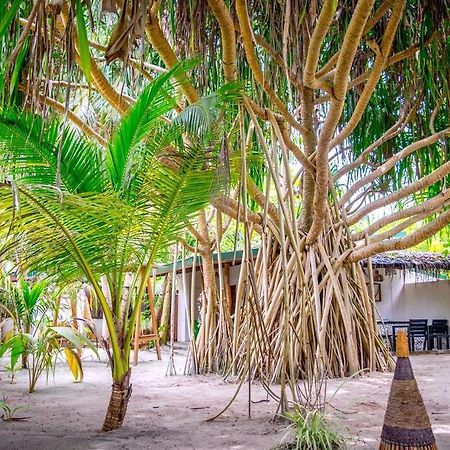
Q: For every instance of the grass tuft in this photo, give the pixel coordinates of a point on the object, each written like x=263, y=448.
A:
x=312, y=432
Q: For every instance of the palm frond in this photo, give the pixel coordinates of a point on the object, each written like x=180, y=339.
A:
x=65, y=236
x=199, y=119
x=30, y=149
x=175, y=194
x=156, y=100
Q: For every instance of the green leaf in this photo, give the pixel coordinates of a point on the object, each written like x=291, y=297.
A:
x=74, y=337
x=83, y=42
x=8, y=17
x=32, y=295
x=29, y=152
x=155, y=101
x=15, y=76
x=16, y=345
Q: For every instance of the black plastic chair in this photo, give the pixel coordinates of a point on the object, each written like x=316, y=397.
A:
x=418, y=328
x=439, y=326
x=438, y=331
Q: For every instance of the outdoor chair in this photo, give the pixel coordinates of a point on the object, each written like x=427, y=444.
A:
x=439, y=326
x=438, y=331
x=418, y=329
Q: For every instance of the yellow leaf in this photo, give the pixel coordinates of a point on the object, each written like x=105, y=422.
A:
x=74, y=363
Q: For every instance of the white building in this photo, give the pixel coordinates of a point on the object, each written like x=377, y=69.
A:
x=408, y=286
x=412, y=286
x=231, y=266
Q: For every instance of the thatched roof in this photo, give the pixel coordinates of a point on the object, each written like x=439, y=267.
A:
x=406, y=260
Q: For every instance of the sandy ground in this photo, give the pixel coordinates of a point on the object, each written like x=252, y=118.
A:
x=170, y=412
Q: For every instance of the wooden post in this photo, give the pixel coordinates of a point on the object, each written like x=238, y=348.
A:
x=171, y=370
x=227, y=287
x=137, y=332
x=193, y=301
x=151, y=302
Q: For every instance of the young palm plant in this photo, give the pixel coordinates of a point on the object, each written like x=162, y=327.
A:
x=34, y=338
x=28, y=300
x=76, y=211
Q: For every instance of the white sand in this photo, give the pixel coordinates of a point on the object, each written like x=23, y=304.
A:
x=170, y=412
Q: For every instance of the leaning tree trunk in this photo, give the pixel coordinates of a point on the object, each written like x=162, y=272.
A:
x=118, y=403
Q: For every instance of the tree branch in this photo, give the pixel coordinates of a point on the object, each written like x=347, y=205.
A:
x=350, y=44
x=425, y=207
x=165, y=51
x=83, y=126
x=248, y=42
x=405, y=224
x=380, y=61
x=301, y=157
x=371, y=22
x=65, y=84
x=412, y=188
x=188, y=247
x=223, y=16
x=397, y=57
x=260, y=198
x=414, y=238
x=390, y=163
x=196, y=234
x=229, y=206
x=315, y=45
x=395, y=130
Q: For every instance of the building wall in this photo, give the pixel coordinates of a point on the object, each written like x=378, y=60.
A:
x=407, y=295
x=184, y=290
x=404, y=296
x=183, y=298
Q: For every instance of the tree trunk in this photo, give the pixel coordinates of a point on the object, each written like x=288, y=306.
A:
x=310, y=141
x=24, y=360
x=207, y=341
x=329, y=318
x=118, y=403
x=25, y=352
x=210, y=320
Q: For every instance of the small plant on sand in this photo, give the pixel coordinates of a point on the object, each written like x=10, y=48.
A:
x=9, y=410
x=34, y=340
x=42, y=347
x=312, y=432
x=11, y=370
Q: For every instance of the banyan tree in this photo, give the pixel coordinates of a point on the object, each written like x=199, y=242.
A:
x=337, y=144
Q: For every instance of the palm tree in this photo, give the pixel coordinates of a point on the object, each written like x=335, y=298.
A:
x=73, y=210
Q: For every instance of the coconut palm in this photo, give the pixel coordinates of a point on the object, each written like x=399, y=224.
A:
x=73, y=210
